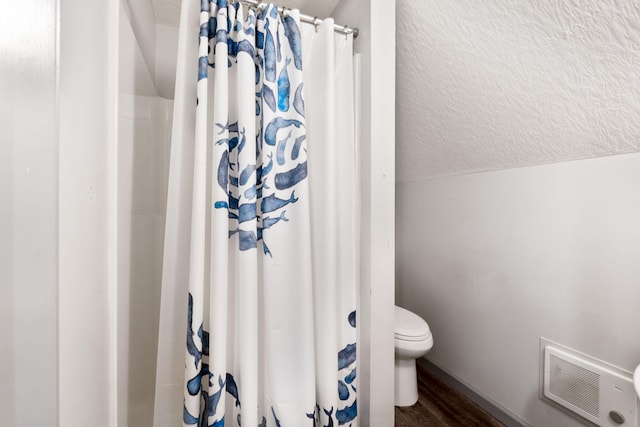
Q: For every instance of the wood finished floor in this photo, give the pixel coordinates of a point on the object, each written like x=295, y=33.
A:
x=441, y=406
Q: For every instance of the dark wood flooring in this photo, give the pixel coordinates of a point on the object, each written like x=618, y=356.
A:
x=439, y=405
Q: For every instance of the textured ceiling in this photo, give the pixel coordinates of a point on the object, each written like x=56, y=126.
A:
x=168, y=11
x=484, y=85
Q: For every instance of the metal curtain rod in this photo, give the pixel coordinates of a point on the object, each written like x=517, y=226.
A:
x=342, y=29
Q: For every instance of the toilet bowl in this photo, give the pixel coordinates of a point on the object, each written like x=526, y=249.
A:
x=413, y=339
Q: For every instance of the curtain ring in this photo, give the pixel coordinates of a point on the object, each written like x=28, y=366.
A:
x=346, y=32
x=315, y=23
x=285, y=11
x=260, y=6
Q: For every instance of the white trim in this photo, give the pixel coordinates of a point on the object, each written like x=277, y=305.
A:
x=382, y=212
x=112, y=204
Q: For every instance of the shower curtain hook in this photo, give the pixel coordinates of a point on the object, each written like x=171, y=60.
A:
x=346, y=32
x=315, y=23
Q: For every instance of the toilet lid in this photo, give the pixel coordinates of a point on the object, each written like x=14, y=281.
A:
x=409, y=326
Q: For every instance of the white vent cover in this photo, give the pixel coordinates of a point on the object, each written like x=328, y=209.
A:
x=598, y=392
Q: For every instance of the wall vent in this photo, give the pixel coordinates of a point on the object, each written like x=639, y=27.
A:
x=575, y=385
x=594, y=390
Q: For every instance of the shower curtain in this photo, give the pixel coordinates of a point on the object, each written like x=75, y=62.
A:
x=266, y=264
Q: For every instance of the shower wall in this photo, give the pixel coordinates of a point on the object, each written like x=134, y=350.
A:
x=144, y=129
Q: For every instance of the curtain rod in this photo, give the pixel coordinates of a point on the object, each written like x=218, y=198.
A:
x=342, y=29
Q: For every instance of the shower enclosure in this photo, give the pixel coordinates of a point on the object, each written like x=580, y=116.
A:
x=86, y=118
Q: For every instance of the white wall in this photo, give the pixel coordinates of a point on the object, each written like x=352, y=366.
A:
x=87, y=216
x=144, y=125
x=28, y=214
x=376, y=46
x=495, y=260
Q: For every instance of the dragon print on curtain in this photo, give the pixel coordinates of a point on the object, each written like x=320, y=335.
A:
x=270, y=330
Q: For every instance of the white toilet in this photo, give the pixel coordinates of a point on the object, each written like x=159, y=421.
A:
x=413, y=339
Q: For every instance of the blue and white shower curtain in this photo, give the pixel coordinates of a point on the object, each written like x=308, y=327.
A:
x=272, y=261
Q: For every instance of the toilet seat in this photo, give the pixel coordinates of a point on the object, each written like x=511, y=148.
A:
x=409, y=326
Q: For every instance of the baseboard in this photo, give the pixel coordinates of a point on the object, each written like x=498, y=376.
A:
x=501, y=414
